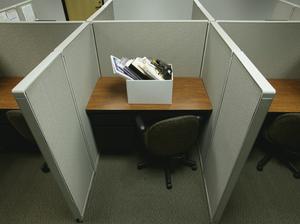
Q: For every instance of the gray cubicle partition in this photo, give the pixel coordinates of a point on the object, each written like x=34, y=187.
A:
x=274, y=47
x=216, y=64
x=82, y=68
x=240, y=96
x=25, y=45
x=286, y=10
x=151, y=10
x=52, y=98
x=180, y=43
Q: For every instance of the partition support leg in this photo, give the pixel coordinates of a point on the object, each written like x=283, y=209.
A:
x=168, y=178
x=79, y=220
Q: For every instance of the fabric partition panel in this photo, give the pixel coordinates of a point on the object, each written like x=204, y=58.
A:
x=243, y=108
x=286, y=10
x=46, y=100
x=274, y=47
x=282, y=11
x=216, y=66
x=25, y=45
x=82, y=68
x=178, y=43
x=153, y=10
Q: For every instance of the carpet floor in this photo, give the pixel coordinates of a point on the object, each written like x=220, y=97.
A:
x=123, y=194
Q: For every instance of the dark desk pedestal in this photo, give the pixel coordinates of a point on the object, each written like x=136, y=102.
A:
x=115, y=131
x=10, y=139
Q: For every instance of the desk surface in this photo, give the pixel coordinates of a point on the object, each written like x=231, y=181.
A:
x=7, y=100
x=110, y=94
x=287, y=98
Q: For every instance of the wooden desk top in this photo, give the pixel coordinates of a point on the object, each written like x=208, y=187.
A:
x=7, y=100
x=110, y=94
x=287, y=98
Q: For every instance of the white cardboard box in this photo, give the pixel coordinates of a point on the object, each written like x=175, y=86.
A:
x=149, y=91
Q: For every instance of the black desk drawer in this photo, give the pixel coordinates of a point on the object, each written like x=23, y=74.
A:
x=115, y=139
x=3, y=118
x=11, y=140
x=112, y=119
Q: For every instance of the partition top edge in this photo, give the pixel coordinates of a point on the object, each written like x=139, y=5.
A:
x=260, y=80
x=149, y=21
x=257, y=21
x=226, y=38
x=204, y=11
x=45, y=22
x=71, y=37
x=267, y=89
x=34, y=74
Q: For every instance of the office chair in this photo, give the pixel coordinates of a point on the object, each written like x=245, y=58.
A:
x=168, y=141
x=283, y=140
x=18, y=121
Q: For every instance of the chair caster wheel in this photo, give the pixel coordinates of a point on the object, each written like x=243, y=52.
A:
x=297, y=175
x=45, y=168
x=169, y=186
x=139, y=167
x=259, y=168
x=194, y=168
x=79, y=220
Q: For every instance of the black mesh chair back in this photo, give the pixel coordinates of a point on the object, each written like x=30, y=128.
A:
x=285, y=132
x=283, y=138
x=168, y=141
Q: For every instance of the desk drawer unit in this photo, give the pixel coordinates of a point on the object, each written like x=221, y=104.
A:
x=115, y=131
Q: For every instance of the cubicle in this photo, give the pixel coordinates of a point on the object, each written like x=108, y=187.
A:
x=273, y=47
x=151, y=10
x=22, y=11
x=23, y=46
x=240, y=96
x=23, y=57
x=197, y=49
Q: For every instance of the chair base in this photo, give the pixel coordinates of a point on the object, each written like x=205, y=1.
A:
x=167, y=164
x=261, y=164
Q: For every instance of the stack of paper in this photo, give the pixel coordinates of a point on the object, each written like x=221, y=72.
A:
x=141, y=68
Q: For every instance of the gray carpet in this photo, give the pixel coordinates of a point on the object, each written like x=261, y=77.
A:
x=122, y=194
x=271, y=196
